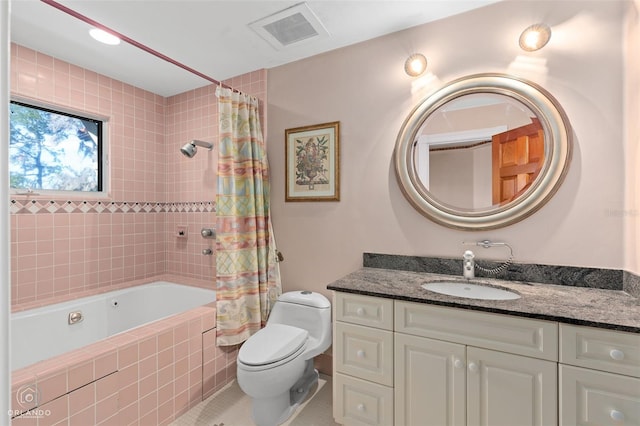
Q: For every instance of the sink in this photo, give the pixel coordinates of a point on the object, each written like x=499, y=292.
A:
x=470, y=290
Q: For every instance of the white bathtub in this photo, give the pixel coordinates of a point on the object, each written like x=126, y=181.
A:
x=42, y=333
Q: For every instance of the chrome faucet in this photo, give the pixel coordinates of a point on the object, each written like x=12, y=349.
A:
x=468, y=265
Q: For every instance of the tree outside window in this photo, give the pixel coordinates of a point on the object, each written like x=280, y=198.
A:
x=51, y=150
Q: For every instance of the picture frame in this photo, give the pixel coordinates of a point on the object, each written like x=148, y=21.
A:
x=312, y=163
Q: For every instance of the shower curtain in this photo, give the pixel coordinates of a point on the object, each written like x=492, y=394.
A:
x=248, y=277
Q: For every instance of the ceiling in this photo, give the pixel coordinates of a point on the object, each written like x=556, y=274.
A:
x=211, y=37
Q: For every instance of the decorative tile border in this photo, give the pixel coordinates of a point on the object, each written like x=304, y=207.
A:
x=80, y=206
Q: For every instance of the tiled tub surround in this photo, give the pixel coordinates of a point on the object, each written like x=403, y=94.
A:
x=611, y=309
x=52, y=332
x=63, y=247
x=148, y=375
x=60, y=250
x=65, y=254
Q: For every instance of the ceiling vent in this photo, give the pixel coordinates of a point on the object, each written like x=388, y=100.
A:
x=290, y=26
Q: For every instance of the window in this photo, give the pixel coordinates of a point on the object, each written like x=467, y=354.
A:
x=54, y=151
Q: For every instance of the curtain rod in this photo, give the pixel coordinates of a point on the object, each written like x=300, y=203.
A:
x=132, y=42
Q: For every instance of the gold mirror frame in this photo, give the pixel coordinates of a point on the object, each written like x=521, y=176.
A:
x=557, y=145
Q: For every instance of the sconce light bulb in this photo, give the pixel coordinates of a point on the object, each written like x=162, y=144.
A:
x=531, y=40
x=415, y=64
x=535, y=37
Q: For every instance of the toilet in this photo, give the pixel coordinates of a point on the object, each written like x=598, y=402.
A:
x=275, y=365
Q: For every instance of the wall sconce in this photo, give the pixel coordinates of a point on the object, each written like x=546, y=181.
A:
x=415, y=64
x=535, y=37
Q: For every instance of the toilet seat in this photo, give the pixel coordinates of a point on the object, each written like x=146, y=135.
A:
x=272, y=345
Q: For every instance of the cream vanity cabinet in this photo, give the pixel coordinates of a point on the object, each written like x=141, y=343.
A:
x=363, y=360
x=462, y=367
x=599, y=377
x=407, y=363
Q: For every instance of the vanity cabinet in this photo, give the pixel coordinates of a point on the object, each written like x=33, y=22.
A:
x=599, y=377
x=363, y=360
x=452, y=368
x=440, y=400
x=408, y=363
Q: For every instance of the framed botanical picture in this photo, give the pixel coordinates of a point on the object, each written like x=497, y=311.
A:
x=312, y=161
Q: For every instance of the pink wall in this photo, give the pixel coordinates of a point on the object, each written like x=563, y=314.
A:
x=62, y=248
x=632, y=146
x=365, y=88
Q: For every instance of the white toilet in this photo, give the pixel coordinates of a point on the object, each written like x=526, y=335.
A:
x=275, y=365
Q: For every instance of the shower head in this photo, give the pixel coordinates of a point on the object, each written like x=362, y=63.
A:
x=190, y=149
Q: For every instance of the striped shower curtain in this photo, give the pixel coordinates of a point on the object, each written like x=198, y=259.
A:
x=248, y=277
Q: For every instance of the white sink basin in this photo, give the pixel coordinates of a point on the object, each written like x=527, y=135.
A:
x=470, y=290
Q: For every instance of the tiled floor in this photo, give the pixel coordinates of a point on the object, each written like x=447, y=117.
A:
x=231, y=407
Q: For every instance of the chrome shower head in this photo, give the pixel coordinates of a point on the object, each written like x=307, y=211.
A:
x=190, y=149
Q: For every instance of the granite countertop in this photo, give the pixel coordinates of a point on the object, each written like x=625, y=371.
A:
x=610, y=309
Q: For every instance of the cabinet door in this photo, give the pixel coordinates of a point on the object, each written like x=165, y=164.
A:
x=589, y=397
x=429, y=382
x=507, y=390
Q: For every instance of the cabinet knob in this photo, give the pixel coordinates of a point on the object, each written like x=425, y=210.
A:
x=361, y=407
x=360, y=353
x=473, y=367
x=617, y=415
x=457, y=363
x=360, y=311
x=616, y=354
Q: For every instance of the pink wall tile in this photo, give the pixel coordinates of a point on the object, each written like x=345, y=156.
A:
x=52, y=385
x=84, y=417
x=69, y=252
x=60, y=256
x=80, y=375
x=57, y=412
x=82, y=398
x=143, y=389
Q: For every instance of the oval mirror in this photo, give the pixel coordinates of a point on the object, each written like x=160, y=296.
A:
x=483, y=152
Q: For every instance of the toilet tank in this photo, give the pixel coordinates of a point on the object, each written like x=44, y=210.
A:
x=307, y=310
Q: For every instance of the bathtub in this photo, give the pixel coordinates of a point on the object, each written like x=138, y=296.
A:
x=45, y=332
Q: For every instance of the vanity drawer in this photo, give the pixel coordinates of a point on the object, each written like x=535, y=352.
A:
x=589, y=397
x=364, y=352
x=364, y=310
x=361, y=403
x=607, y=350
x=521, y=336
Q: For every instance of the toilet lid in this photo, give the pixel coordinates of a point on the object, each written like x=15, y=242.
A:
x=273, y=343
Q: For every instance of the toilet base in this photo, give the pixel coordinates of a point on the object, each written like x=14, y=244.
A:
x=277, y=410
x=300, y=389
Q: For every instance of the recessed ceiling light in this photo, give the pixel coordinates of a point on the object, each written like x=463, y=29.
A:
x=104, y=37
